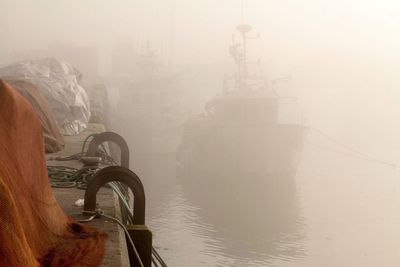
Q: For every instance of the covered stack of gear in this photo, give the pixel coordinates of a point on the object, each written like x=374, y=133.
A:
x=59, y=83
x=98, y=103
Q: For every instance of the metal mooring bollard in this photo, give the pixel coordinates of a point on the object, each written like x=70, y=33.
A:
x=140, y=234
x=110, y=137
x=117, y=139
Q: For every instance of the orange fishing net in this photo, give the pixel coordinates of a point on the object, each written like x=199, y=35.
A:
x=53, y=140
x=34, y=230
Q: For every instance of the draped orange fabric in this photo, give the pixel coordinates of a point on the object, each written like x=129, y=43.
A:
x=34, y=230
x=53, y=140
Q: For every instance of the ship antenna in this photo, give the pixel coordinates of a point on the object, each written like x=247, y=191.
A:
x=240, y=55
x=171, y=35
x=242, y=61
x=242, y=12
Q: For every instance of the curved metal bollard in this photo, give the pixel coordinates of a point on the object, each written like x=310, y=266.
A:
x=110, y=137
x=117, y=174
x=139, y=233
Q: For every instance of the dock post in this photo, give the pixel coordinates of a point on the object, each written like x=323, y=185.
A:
x=100, y=138
x=138, y=231
x=142, y=239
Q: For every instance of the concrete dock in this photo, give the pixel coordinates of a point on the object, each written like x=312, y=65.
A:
x=116, y=253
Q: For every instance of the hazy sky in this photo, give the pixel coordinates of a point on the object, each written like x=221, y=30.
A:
x=292, y=29
x=343, y=54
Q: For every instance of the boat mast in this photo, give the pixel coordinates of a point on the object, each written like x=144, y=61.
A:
x=241, y=60
x=239, y=53
x=171, y=35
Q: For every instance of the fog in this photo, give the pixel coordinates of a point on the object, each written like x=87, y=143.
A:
x=337, y=61
x=336, y=52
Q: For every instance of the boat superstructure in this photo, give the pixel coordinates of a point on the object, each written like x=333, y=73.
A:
x=240, y=130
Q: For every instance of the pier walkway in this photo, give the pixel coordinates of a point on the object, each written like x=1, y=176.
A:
x=116, y=253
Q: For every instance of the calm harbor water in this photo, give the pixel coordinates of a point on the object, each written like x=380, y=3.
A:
x=344, y=212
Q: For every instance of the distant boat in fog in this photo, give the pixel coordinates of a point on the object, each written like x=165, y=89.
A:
x=151, y=101
x=237, y=161
x=240, y=131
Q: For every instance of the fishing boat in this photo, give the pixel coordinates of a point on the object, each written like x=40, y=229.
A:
x=242, y=129
x=150, y=107
x=237, y=160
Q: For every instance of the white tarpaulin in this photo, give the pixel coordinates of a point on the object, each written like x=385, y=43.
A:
x=59, y=83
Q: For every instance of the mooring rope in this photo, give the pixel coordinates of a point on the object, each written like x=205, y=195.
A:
x=99, y=213
x=67, y=177
x=356, y=153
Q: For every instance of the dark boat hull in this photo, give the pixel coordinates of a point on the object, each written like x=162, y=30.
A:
x=265, y=149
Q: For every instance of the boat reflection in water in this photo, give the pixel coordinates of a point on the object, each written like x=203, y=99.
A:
x=238, y=163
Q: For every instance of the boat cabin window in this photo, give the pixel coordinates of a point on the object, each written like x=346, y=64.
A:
x=227, y=111
x=149, y=98
x=136, y=98
x=261, y=111
x=249, y=111
x=164, y=97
